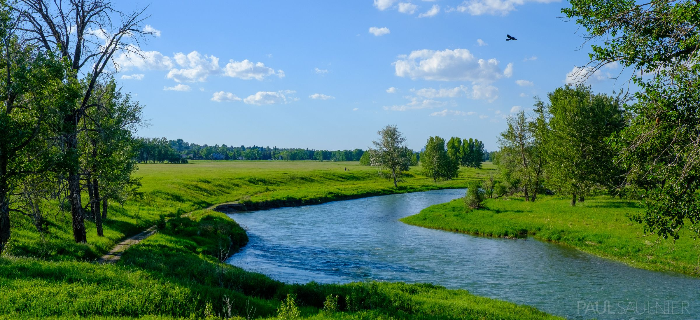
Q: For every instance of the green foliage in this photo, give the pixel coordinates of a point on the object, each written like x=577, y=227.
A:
x=436, y=162
x=365, y=159
x=520, y=159
x=574, y=127
x=659, y=149
x=474, y=198
x=288, y=309
x=331, y=304
x=390, y=152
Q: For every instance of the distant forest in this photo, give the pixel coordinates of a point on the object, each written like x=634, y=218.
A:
x=159, y=150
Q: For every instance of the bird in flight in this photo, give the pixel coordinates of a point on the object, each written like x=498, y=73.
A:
x=510, y=38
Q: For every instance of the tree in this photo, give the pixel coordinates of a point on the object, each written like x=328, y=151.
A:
x=390, y=152
x=436, y=162
x=35, y=90
x=520, y=155
x=575, y=126
x=660, y=149
x=84, y=33
x=454, y=149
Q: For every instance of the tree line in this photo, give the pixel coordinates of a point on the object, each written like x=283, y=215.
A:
x=67, y=129
x=159, y=150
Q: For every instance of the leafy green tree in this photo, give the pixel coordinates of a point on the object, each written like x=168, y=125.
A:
x=575, y=126
x=365, y=159
x=71, y=29
x=35, y=91
x=390, y=152
x=454, y=149
x=660, y=149
x=475, y=196
x=436, y=162
x=520, y=159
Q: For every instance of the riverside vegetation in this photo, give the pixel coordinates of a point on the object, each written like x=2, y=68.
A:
x=178, y=272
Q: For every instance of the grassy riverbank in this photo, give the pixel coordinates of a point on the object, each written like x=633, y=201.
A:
x=177, y=274
x=599, y=226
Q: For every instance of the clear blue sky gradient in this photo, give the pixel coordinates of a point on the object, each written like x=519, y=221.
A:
x=326, y=51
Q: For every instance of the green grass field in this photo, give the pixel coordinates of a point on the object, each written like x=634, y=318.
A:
x=177, y=274
x=599, y=225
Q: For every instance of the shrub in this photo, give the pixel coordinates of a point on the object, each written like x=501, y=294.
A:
x=288, y=309
x=475, y=195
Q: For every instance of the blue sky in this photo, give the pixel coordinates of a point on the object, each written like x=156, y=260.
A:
x=330, y=74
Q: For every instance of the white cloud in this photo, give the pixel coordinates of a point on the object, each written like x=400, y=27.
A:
x=430, y=13
x=481, y=42
x=447, y=65
x=524, y=83
x=483, y=116
x=355, y=109
x=533, y=58
x=222, y=96
x=431, y=93
x=493, y=7
x=383, y=4
x=585, y=74
x=515, y=109
x=196, y=67
x=179, y=87
x=151, y=30
x=407, y=8
x=379, y=31
x=133, y=58
x=321, y=71
x=392, y=90
x=247, y=70
x=417, y=103
x=136, y=76
x=509, y=71
x=446, y=112
x=523, y=95
x=267, y=97
x=320, y=96
x=484, y=92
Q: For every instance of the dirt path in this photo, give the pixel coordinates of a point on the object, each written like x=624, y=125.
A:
x=116, y=253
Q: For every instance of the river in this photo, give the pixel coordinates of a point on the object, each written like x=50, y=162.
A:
x=363, y=239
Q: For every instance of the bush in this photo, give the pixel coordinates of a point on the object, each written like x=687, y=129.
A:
x=475, y=195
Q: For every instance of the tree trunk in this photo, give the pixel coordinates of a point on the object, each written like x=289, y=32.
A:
x=4, y=214
x=96, y=207
x=104, y=208
x=90, y=214
x=527, y=195
x=393, y=173
x=581, y=199
x=76, y=209
x=573, y=200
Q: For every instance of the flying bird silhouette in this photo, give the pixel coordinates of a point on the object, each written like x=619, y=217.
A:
x=510, y=38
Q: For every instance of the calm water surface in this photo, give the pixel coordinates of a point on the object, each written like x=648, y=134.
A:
x=357, y=240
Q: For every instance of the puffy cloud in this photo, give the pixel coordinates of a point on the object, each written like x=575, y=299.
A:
x=447, y=65
x=151, y=30
x=222, y=96
x=524, y=83
x=379, y=31
x=267, y=97
x=431, y=93
x=133, y=58
x=320, y=96
x=484, y=92
x=196, y=67
x=585, y=74
x=417, y=103
x=430, y=13
x=493, y=7
x=533, y=58
x=481, y=42
x=408, y=8
x=392, y=90
x=247, y=70
x=321, y=71
x=136, y=76
x=179, y=87
x=509, y=71
x=515, y=109
x=383, y=4
x=446, y=112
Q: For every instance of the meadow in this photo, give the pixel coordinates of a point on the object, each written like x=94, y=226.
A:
x=178, y=273
x=600, y=225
